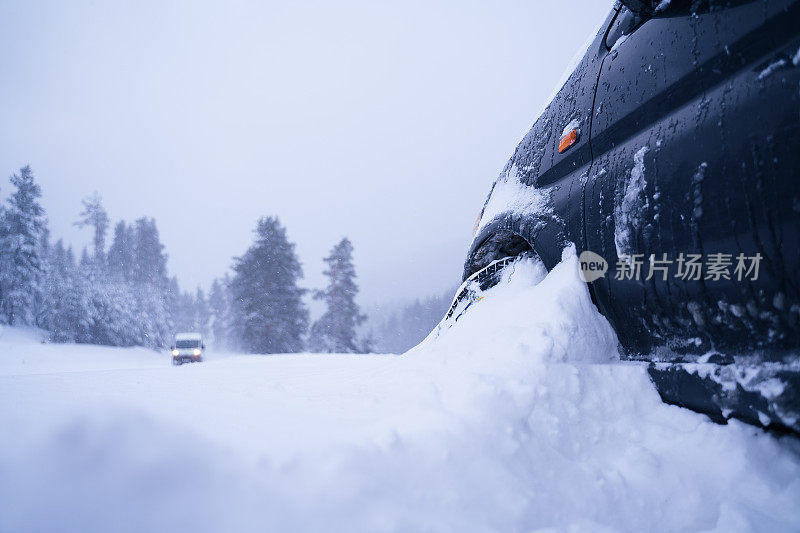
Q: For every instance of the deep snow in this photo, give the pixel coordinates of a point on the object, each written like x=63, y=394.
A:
x=519, y=417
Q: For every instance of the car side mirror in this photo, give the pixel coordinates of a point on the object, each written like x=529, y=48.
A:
x=641, y=7
x=172, y=347
x=202, y=346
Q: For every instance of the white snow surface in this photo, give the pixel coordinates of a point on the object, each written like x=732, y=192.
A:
x=772, y=68
x=618, y=43
x=573, y=124
x=662, y=5
x=628, y=213
x=518, y=418
x=510, y=195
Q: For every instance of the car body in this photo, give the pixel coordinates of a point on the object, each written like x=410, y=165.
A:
x=187, y=348
x=676, y=136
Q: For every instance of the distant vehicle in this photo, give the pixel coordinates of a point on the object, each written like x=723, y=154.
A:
x=188, y=348
x=675, y=142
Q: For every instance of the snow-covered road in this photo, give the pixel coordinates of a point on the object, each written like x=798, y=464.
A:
x=517, y=418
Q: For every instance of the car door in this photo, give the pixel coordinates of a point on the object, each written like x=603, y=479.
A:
x=566, y=156
x=685, y=163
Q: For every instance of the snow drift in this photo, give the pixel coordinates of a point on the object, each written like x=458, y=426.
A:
x=519, y=417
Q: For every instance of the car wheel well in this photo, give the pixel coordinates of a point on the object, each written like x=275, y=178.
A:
x=503, y=243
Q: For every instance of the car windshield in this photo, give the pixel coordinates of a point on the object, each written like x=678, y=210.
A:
x=193, y=343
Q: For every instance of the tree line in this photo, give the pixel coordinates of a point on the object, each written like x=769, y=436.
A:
x=398, y=327
x=122, y=294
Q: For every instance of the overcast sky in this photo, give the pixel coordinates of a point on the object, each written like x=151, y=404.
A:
x=382, y=121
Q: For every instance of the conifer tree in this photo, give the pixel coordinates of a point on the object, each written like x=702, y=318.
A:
x=121, y=297
x=21, y=268
x=172, y=302
x=40, y=298
x=150, y=260
x=66, y=309
x=95, y=216
x=122, y=255
x=152, y=286
x=54, y=290
x=269, y=315
x=202, y=313
x=3, y=232
x=335, y=331
x=183, y=312
x=220, y=309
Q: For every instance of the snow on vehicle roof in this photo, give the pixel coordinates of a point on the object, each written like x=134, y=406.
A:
x=187, y=336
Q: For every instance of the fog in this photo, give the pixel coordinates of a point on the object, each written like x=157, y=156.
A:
x=384, y=122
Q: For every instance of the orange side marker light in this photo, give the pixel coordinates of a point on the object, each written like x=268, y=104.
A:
x=568, y=139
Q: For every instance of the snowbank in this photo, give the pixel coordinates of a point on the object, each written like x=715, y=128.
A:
x=519, y=417
x=24, y=351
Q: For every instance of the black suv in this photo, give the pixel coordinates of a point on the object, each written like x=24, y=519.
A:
x=673, y=152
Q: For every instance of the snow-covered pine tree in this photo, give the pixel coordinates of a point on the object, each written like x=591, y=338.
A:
x=202, y=313
x=112, y=319
x=95, y=216
x=126, y=291
x=53, y=290
x=108, y=317
x=183, y=315
x=220, y=310
x=40, y=302
x=21, y=230
x=121, y=254
x=152, y=287
x=120, y=261
x=335, y=330
x=96, y=316
x=150, y=260
x=65, y=310
x=85, y=261
x=172, y=300
x=118, y=317
x=367, y=343
x=3, y=232
x=77, y=307
x=268, y=312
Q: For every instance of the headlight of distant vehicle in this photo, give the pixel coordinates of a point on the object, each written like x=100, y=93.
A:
x=196, y=351
x=175, y=353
